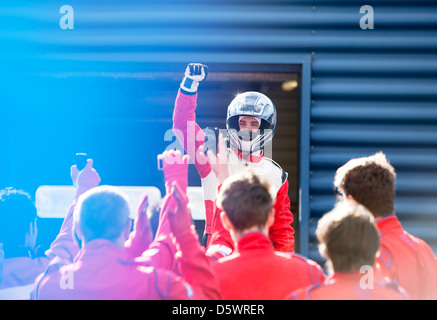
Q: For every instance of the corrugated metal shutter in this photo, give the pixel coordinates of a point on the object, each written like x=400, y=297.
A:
x=379, y=93
x=371, y=89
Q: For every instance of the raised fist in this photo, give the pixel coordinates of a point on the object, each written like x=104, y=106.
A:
x=194, y=73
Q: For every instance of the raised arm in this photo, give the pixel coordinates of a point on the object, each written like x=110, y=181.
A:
x=188, y=132
x=162, y=251
x=64, y=246
x=141, y=236
x=194, y=265
x=281, y=232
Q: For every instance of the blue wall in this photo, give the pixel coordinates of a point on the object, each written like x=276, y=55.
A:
x=370, y=90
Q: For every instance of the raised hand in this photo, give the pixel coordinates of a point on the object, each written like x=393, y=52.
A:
x=141, y=236
x=85, y=179
x=175, y=167
x=219, y=162
x=194, y=74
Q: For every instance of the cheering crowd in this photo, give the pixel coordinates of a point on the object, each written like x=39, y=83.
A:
x=247, y=252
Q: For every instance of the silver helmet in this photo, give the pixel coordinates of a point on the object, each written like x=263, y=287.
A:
x=254, y=104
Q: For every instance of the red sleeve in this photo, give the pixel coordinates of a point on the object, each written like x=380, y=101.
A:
x=196, y=272
x=191, y=138
x=221, y=243
x=427, y=265
x=162, y=250
x=281, y=232
x=188, y=131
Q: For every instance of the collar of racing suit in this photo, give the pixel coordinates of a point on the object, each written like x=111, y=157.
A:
x=254, y=240
x=251, y=157
x=389, y=223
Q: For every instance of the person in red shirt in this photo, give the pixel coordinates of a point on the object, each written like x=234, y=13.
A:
x=105, y=269
x=403, y=257
x=255, y=271
x=348, y=238
x=251, y=123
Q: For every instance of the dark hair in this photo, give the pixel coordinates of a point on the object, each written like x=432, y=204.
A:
x=247, y=199
x=348, y=237
x=17, y=211
x=370, y=181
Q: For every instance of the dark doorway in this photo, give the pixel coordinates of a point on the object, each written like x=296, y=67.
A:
x=283, y=88
x=120, y=119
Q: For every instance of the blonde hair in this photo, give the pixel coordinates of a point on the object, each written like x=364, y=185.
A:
x=102, y=213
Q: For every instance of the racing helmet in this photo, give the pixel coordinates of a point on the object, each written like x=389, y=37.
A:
x=254, y=104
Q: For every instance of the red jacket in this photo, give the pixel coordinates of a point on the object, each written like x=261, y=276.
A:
x=345, y=286
x=407, y=259
x=103, y=271
x=192, y=137
x=254, y=271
